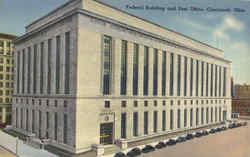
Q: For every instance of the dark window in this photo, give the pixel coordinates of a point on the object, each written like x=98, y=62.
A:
x=49, y=66
x=124, y=104
x=57, y=70
x=202, y=115
x=171, y=74
x=135, y=103
x=135, y=123
x=41, y=66
x=212, y=114
x=135, y=69
x=40, y=123
x=34, y=68
x=179, y=76
x=191, y=77
x=179, y=118
x=155, y=120
x=33, y=121
x=197, y=77
x=185, y=117
x=197, y=116
x=163, y=102
x=224, y=82
x=215, y=114
x=145, y=103
x=164, y=64
x=163, y=120
x=216, y=70
x=21, y=118
x=212, y=80
x=124, y=68
x=207, y=115
x=107, y=104
x=17, y=118
x=185, y=76
x=207, y=79
x=155, y=103
x=107, y=64
x=202, y=78
x=155, y=73
x=146, y=122
x=65, y=128
x=27, y=119
x=55, y=129
x=191, y=117
x=23, y=71
x=123, y=125
x=28, y=70
x=171, y=119
x=220, y=113
x=146, y=68
x=47, y=125
x=67, y=63
x=219, y=81
x=18, y=72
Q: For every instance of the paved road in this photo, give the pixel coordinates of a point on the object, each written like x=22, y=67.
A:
x=230, y=143
x=5, y=153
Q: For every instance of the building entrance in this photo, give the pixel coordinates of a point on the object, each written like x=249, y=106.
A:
x=106, y=133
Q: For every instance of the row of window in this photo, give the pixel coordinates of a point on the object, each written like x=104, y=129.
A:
x=155, y=102
x=8, y=109
x=7, y=84
x=7, y=92
x=7, y=77
x=8, y=44
x=7, y=61
x=200, y=119
x=40, y=101
x=215, y=73
x=30, y=73
x=7, y=100
x=31, y=118
x=8, y=69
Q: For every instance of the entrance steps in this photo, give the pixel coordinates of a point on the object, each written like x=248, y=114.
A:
x=111, y=149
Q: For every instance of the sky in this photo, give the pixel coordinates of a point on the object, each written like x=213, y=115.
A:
x=229, y=31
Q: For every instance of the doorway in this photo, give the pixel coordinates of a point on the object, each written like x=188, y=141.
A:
x=106, y=133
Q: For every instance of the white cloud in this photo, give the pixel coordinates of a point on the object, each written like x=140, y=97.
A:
x=192, y=24
x=233, y=24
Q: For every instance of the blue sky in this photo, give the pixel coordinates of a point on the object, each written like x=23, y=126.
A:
x=229, y=31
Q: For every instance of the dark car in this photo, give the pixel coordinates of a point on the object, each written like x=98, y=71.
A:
x=171, y=142
x=244, y=123
x=205, y=133
x=189, y=136
x=198, y=134
x=160, y=145
x=148, y=148
x=212, y=131
x=134, y=152
x=181, y=139
x=218, y=129
x=120, y=154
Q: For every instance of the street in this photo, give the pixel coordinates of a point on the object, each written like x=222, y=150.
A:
x=230, y=143
x=5, y=153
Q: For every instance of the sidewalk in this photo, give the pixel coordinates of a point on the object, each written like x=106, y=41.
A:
x=5, y=153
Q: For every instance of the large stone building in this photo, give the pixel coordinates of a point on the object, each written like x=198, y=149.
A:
x=241, y=99
x=6, y=76
x=88, y=73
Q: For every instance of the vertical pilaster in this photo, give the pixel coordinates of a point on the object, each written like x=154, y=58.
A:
x=62, y=64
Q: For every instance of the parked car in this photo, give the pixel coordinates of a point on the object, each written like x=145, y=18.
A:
x=198, y=134
x=189, y=136
x=171, y=142
x=120, y=154
x=134, y=152
x=181, y=139
x=212, y=131
x=244, y=123
x=218, y=129
x=205, y=133
x=148, y=148
x=160, y=145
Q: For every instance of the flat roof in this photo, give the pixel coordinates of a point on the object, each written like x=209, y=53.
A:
x=7, y=36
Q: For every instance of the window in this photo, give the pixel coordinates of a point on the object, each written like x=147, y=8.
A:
x=56, y=103
x=185, y=117
x=49, y=66
x=40, y=123
x=1, y=84
x=107, y=104
x=135, y=69
x=207, y=115
x=7, y=69
x=224, y=82
x=191, y=77
x=47, y=102
x=163, y=120
x=65, y=128
x=123, y=125
x=191, y=117
x=155, y=73
x=28, y=69
x=185, y=76
x=58, y=56
x=1, y=76
x=47, y=124
x=55, y=127
x=164, y=103
x=65, y=104
x=145, y=103
x=1, y=44
x=164, y=73
x=211, y=83
x=33, y=121
x=179, y=119
x=1, y=60
x=216, y=80
x=220, y=81
x=1, y=92
x=202, y=115
x=67, y=63
x=155, y=103
x=179, y=76
x=197, y=116
x=41, y=66
x=146, y=68
x=124, y=68
x=123, y=104
x=207, y=79
x=171, y=119
x=171, y=74
x=145, y=122
x=216, y=114
x=1, y=68
x=212, y=114
x=135, y=123
x=155, y=120
x=197, y=77
x=34, y=68
x=135, y=103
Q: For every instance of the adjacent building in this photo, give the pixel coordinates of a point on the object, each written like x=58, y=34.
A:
x=241, y=100
x=6, y=76
x=88, y=73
